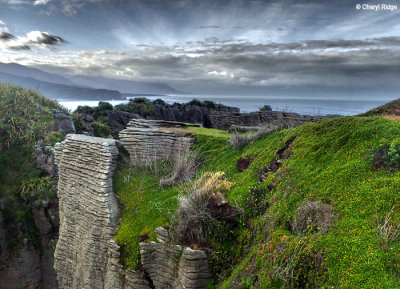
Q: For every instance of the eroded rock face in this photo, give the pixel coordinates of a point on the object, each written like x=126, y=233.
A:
x=45, y=215
x=173, y=266
x=22, y=271
x=149, y=140
x=225, y=120
x=87, y=209
x=189, y=113
x=45, y=159
x=116, y=277
x=63, y=122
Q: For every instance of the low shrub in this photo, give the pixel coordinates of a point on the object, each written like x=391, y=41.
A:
x=54, y=137
x=37, y=188
x=100, y=129
x=312, y=217
x=78, y=123
x=386, y=155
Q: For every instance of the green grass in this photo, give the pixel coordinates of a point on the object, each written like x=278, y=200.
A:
x=146, y=207
x=209, y=131
x=328, y=163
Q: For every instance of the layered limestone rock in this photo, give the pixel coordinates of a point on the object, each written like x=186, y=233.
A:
x=224, y=120
x=116, y=277
x=172, y=266
x=88, y=210
x=149, y=140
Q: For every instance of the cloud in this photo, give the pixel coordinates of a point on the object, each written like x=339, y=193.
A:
x=296, y=67
x=209, y=27
x=41, y=2
x=6, y=36
x=19, y=47
x=32, y=39
x=44, y=38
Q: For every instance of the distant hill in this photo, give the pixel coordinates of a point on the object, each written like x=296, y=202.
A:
x=78, y=86
x=390, y=109
x=60, y=91
x=125, y=86
x=20, y=70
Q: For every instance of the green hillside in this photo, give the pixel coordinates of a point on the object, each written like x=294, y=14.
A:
x=390, y=109
x=327, y=165
x=25, y=117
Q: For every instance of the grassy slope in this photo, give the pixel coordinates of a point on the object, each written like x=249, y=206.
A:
x=388, y=109
x=25, y=117
x=329, y=164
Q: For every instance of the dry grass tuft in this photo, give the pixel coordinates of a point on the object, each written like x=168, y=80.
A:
x=312, y=217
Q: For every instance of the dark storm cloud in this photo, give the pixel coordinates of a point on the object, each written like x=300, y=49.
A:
x=6, y=36
x=20, y=47
x=32, y=39
x=364, y=64
x=44, y=38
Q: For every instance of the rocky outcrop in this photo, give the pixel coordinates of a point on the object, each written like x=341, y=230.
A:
x=224, y=120
x=19, y=269
x=173, y=266
x=118, y=120
x=45, y=216
x=45, y=159
x=116, y=277
x=88, y=210
x=149, y=140
x=189, y=113
x=62, y=122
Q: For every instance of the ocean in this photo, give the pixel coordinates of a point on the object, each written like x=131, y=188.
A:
x=310, y=106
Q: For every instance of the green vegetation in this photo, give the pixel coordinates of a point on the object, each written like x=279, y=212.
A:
x=391, y=109
x=209, y=131
x=25, y=117
x=139, y=105
x=326, y=162
x=100, y=129
x=146, y=207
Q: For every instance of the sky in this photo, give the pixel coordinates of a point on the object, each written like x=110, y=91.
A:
x=213, y=47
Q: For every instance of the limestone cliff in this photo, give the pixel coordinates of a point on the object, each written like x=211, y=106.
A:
x=86, y=255
x=174, y=266
x=149, y=140
x=88, y=210
x=225, y=120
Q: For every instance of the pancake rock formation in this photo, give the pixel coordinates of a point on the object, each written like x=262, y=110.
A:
x=88, y=210
x=149, y=140
x=173, y=266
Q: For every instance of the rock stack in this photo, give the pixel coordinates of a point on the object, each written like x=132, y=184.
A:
x=116, y=277
x=150, y=140
x=88, y=210
x=172, y=266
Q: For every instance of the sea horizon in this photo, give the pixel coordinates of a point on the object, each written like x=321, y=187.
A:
x=301, y=105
